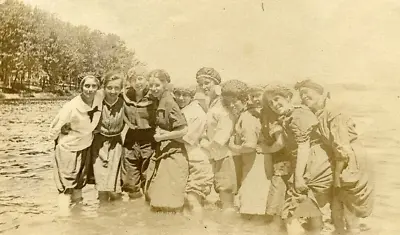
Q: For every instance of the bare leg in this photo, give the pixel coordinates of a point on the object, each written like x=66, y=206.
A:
x=352, y=222
x=338, y=216
x=103, y=197
x=194, y=202
x=76, y=196
x=64, y=204
x=227, y=199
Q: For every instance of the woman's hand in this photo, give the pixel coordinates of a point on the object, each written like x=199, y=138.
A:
x=231, y=142
x=262, y=148
x=66, y=128
x=204, y=143
x=234, y=147
x=336, y=181
x=161, y=131
x=300, y=185
x=158, y=137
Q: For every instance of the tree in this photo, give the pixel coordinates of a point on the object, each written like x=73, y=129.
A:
x=33, y=41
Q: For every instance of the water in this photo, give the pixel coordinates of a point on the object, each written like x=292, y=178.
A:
x=28, y=195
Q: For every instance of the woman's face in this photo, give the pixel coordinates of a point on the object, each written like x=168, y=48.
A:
x=113, y=88
x=233, y=104
x=279, y=104
x=89, y=88
x=156, y=87
x=182, y=99
x=310, y=97
x=255, y=99
x=207, y=86
x=139, y=83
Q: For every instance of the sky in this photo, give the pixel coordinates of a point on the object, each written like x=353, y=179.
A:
x=257, y=41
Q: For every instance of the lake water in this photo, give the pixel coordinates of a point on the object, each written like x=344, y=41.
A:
x=28, y=194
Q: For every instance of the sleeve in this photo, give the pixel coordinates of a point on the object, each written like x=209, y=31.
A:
x=302, y=123
x=196, y=128
x=175, y=116
x=251, y=131
x=63, y=117
x=341, y=138
x=224, y=129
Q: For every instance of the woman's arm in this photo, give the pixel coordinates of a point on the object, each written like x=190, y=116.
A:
x=303, y=123
x=61, y=123
x=250, y=130
x=341, y=144
x=240, y=149
x=196, y=129
x=303, y=152
x=177, y=133
x=275, y=147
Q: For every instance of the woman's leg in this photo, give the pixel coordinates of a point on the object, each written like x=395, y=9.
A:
x=114, y=196
x=194, y=202
x=103, y=196
x=225, y=182
x=352, y=222
x=131, y=174
x=238, y=169
x=70, y=176
x=64, y=203
x=337, y=210
x=198, y=186
x=276, y=199
x=76, y=196
x=146, y=152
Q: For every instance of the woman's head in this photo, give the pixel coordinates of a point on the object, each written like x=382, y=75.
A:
x=234, y=95
x=183, y=96
x=278, y=98
x=158, y=82
x=255, y=97
x=112, y=84
x=311, y=93
x=89, y=85
x=137, y=78
x=208, y=81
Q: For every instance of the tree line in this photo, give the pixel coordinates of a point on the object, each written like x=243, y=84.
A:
x=38, y=49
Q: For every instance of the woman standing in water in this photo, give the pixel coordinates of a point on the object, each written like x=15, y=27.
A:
x=168, y=181
x=310, y=185
x=353, y=189
x=107, y=143
x=219, y=128
x=139, y=144
x=273, y=143
x=72, y=129
x=200, y=178
x=252, y=180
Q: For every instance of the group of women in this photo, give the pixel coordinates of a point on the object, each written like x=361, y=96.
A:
x=295, y=164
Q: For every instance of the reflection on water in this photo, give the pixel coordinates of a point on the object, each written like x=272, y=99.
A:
x=28, y=195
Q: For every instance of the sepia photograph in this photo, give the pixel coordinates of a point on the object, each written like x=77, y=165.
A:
x=155, y=117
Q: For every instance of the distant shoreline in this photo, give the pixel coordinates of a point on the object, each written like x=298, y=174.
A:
x=33, y=99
